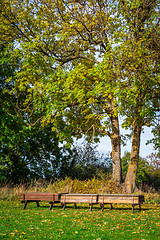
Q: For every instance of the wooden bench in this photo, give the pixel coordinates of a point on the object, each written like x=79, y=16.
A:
x=102, y=199
x=133, y=199
x=40, y=197
x=79, y=198
x=91, y=199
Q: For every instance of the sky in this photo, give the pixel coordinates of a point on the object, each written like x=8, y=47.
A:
x=105, y=146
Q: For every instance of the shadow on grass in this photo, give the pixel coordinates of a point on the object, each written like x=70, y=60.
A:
x=68, y=206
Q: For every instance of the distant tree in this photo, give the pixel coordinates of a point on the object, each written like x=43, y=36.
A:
x=84, y=162
x=154, y=170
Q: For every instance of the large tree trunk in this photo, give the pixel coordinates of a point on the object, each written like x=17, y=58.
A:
x=130, y=181
x=116, y=150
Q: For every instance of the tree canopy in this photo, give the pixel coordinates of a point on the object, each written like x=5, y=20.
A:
x=82, y=64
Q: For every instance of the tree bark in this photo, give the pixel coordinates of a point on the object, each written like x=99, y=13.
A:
x=130, y=181
x=116, y=150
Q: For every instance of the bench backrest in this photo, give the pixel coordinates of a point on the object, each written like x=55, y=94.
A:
x=121, y=198
x=79, y=198
x=40, y=197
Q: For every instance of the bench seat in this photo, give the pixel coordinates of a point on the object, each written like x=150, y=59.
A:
x=79, y=198
x=133, y=199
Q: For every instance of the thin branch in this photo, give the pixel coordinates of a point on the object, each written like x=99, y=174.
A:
x=33, y=124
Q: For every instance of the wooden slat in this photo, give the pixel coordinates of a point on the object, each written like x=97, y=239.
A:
x=79, y=198
x=116, y=198
x=40, y=196
x=122, y=195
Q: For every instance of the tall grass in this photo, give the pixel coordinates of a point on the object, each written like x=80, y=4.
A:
x=68, y=185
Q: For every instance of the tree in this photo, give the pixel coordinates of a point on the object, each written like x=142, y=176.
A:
x=25, y=152
x=154, y=173
x=147, y=170
x=107, y=52
x=143, y=168
x=156, y=128
x=139, y=68
x=80, y=34
x=84, y=162
x=8, y=121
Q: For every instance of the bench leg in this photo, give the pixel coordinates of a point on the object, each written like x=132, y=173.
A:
x=51, y=205
x=111, y=206
x=25, y=204
x=75, y=205
x=139, y=207
x=64, y=206
x=37, y=204
x=102, y=207
x=91, y=206
x=132, y=208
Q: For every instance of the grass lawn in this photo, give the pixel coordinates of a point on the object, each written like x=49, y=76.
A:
x=40, y=223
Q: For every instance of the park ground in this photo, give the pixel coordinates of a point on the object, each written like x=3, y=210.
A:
x=40, y=223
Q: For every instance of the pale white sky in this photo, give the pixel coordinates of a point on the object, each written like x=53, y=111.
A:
x=105, y=146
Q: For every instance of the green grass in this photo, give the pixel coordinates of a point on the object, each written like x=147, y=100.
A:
x=40, y=223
